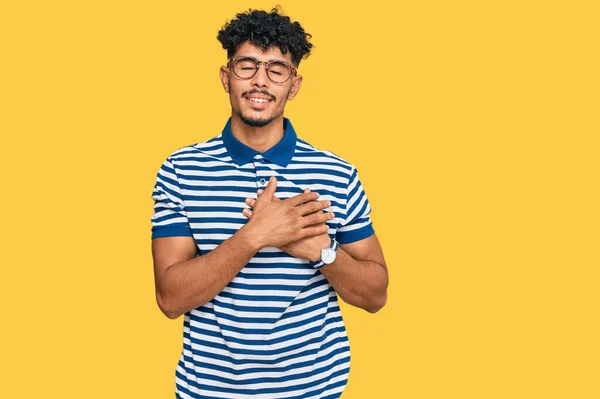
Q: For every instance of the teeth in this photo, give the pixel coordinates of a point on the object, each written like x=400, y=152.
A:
x=259, y=100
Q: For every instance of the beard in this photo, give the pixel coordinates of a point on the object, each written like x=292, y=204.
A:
x=257, y=122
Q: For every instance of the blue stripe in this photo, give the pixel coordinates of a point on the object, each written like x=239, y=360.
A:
x=273, y=276
x=241, y=220
x=314, y=170
x=269, y=298
x=215, y=208
x=215, y=168
x=220, y=188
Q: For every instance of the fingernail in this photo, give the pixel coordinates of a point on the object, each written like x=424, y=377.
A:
x=332, y=214
x=272, y=178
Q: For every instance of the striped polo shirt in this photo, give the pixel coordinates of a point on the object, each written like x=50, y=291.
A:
x=275, y=331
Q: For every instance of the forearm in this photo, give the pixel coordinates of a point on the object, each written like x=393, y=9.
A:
x=189, y=284
x=361, y=283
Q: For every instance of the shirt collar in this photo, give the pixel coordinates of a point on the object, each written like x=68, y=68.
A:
x=280, y=154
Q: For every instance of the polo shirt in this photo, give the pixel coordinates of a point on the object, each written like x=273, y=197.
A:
x=275, y=331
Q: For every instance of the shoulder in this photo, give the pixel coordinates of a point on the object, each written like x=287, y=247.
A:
x=309, y=153
x=210, y=148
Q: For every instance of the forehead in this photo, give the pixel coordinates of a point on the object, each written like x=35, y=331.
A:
x=272, y=53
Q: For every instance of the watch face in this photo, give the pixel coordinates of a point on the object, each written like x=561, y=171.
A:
x=328, y=256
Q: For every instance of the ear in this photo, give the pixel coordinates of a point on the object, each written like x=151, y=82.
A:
x=296, y=84
x=224, y=74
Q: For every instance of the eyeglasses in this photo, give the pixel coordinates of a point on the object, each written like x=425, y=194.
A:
x=246, y=68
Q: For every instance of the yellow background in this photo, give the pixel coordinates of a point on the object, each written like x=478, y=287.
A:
x=474, y=126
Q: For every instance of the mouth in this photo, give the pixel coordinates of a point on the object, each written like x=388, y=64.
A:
x=258, y=102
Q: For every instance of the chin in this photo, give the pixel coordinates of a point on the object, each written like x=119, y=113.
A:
x=257, y=121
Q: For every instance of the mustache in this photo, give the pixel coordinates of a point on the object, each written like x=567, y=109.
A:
x=257, y=91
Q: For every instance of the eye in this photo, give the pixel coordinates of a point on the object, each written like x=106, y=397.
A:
x=279, y=68
x=245, y=64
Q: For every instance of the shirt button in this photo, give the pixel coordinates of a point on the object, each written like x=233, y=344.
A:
x=261, y=160
x=262, y=182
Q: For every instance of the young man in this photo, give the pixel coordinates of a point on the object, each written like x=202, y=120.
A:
x=256, y=232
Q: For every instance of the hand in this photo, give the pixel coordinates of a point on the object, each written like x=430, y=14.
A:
x=305, y=248
x=277, y=223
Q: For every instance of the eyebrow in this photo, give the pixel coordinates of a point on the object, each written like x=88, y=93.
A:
x=249, y=56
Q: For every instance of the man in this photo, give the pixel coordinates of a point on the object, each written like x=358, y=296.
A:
x=255, y=232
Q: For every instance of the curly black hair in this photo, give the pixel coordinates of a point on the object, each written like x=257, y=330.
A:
x=266, y=30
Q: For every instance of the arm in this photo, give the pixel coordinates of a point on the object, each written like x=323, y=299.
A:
x=184, y=282
x=359, y=274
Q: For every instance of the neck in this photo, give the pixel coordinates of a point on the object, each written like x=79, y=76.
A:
x=258, y=138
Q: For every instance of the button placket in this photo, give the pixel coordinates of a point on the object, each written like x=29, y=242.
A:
x=262, y=174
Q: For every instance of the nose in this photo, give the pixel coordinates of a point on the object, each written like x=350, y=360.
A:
x=260, y=78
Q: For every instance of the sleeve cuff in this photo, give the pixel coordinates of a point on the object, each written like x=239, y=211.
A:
x=355, y=235
x=171, y=231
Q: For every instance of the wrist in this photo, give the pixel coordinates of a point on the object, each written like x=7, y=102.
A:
x=327, y=256
x=250, y=238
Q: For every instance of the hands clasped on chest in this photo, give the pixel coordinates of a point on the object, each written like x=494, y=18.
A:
x=296, y=225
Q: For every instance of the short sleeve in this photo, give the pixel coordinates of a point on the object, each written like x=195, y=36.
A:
x=169, y=218
x=356, y=224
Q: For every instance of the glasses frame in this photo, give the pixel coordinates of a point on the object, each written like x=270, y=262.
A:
x=267, y=64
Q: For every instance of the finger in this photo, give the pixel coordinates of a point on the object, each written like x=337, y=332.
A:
x=314, y=206
x=317, y=225
x=270, y=189
x=307, y=190
x=247, y=212
x=302, y=198
x=250, y=202
x=312, y=231
x=317, y=218
x=260, y=191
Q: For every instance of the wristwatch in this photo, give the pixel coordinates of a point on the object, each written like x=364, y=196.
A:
x=327, y=255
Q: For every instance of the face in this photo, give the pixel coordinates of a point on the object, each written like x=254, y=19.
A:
x=258, y=101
